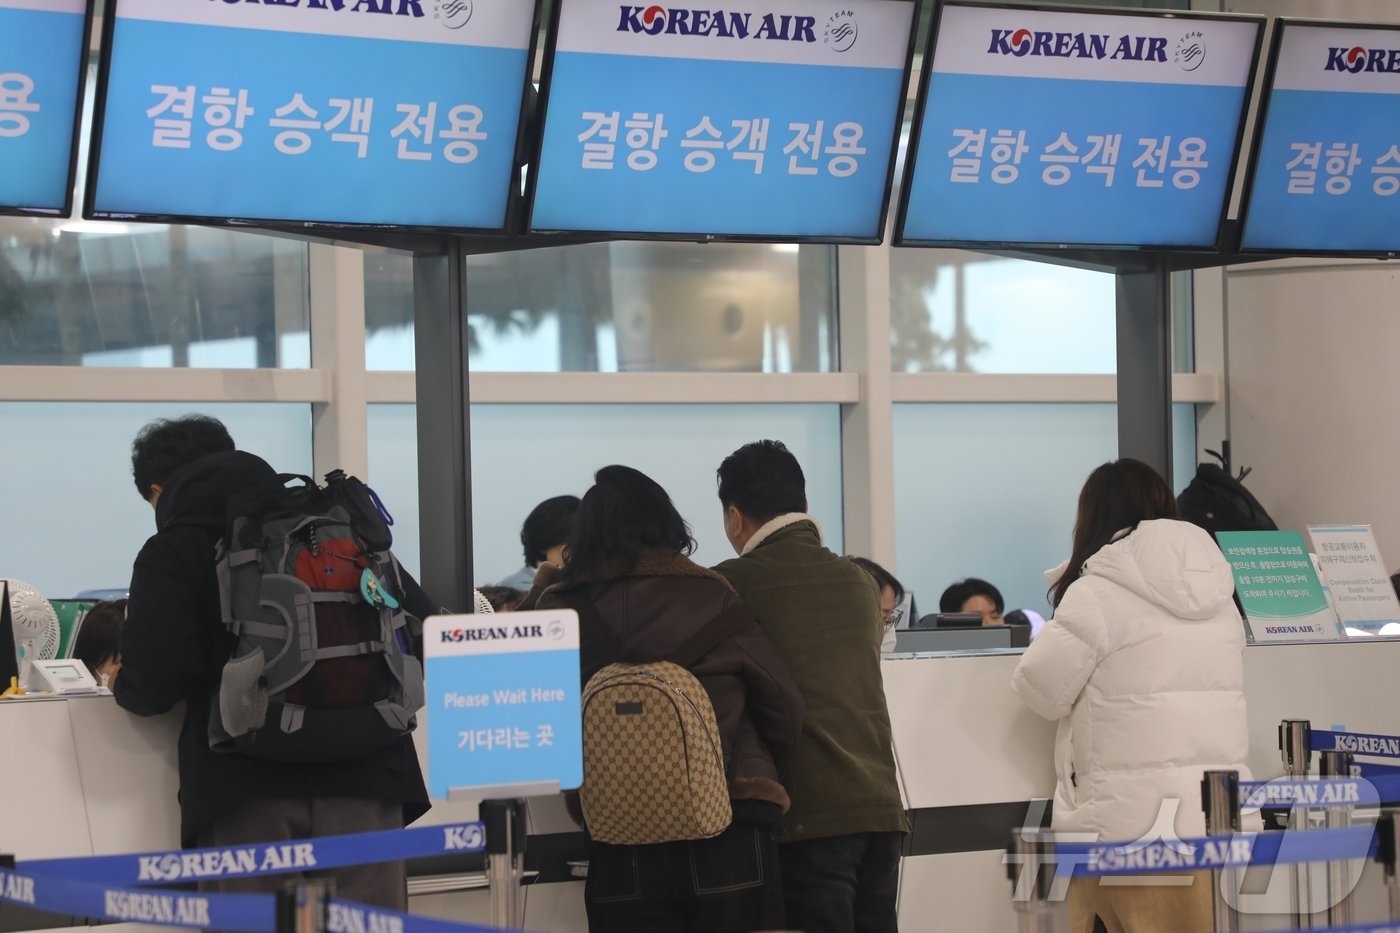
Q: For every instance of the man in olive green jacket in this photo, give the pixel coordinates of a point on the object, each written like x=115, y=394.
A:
x=841, y=840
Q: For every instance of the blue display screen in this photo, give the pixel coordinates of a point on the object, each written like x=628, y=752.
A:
x=41, y=64
x=385, y=112
x=771, y=119
x=1326, y=168
x=1077, y=129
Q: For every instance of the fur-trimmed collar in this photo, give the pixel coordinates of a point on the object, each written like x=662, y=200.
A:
x=778, y=524
x=656, y=562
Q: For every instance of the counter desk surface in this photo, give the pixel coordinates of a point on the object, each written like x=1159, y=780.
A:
x=83, y=777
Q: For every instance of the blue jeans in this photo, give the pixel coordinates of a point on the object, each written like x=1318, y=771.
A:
x=842, y=884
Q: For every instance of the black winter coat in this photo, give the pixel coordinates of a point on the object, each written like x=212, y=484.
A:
x=174, y=645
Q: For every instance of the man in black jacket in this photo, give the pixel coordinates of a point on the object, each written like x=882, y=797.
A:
x=174, y=646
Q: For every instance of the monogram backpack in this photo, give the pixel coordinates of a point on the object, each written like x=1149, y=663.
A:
x=653, y=765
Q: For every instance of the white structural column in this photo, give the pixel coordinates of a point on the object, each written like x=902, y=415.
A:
x=339, y=433
x=867, y=426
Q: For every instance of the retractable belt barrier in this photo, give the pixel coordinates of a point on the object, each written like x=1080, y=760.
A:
x=96, y=887
x=240, y=913
x=1239, y=850
x=244, y=913
x=1358, y=743
x=267, y=858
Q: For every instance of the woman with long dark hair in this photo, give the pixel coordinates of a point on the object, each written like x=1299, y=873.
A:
x=641, y=599
x=1143, y=667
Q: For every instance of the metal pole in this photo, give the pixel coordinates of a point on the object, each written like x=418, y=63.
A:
x=1031, y=868
x=505, y=848
x=444, y=425
x=1220, y=799
x=1295, y=743
x=1336, y=764
x=1144, y=326
x=301, y=906
x=1387, y=848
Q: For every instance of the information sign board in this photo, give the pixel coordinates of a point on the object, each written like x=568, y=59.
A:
x=503, y=704
x=1326, y=165
x=763, y=119
x=1275, y=581
x=1361, y=592
x=43, y=57
x=1063, y=128
x=371, y=112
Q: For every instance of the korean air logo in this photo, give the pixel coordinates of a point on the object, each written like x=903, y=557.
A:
x=1190, y=51
x=718, y=24
x=841, y=31
x=454, y=14
x=1022, y=42
x=1357, y=59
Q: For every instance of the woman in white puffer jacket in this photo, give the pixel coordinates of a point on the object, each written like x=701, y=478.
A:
x=1142, y=665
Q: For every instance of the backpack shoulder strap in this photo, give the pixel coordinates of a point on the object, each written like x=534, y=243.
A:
x=711, y=636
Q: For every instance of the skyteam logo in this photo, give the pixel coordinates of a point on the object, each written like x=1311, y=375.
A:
x=841, y=30
x=719, y=24
x=1022, y=42
x=1190, y=51
x=454, y=14
x=1357, y=59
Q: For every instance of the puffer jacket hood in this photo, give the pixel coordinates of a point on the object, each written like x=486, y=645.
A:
x=1172, y=564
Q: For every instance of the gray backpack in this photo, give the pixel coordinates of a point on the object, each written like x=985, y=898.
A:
x=322, y=668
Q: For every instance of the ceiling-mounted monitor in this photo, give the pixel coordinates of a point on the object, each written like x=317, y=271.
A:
x=1325, y=174
x=43, y=58
x=381, y=113
x=1052, y=128
x=770, y=120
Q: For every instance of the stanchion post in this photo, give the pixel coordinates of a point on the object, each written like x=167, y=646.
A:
x=505, y=848
x=1295, y=744
x=1337, y=765
x=1031, y=868
x=1387, y=852
x=301, y=906
x=1220, y=799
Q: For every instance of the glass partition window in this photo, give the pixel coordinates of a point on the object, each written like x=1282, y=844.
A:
x=990, y=490
x=112, y=294
x=522, y=454
x=73, y=519
x=958, y=311
x=626, y=307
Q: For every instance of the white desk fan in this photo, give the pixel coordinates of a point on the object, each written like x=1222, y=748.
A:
x=35, y=624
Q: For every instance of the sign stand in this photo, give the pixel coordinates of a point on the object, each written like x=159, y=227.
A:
x=301, y=906
x=505, y=854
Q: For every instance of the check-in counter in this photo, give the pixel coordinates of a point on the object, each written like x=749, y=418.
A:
x=84, y=777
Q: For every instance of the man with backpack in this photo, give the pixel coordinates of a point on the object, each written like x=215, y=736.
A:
x=176, y=645
x=840, y=843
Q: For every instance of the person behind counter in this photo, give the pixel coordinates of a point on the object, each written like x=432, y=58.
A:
x=1142, y=664
x=974, y=595
x=98, y=644
x=840, y=843
x=891, y=595
x=638, y=593
x=174, y=646
x=542, y=535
